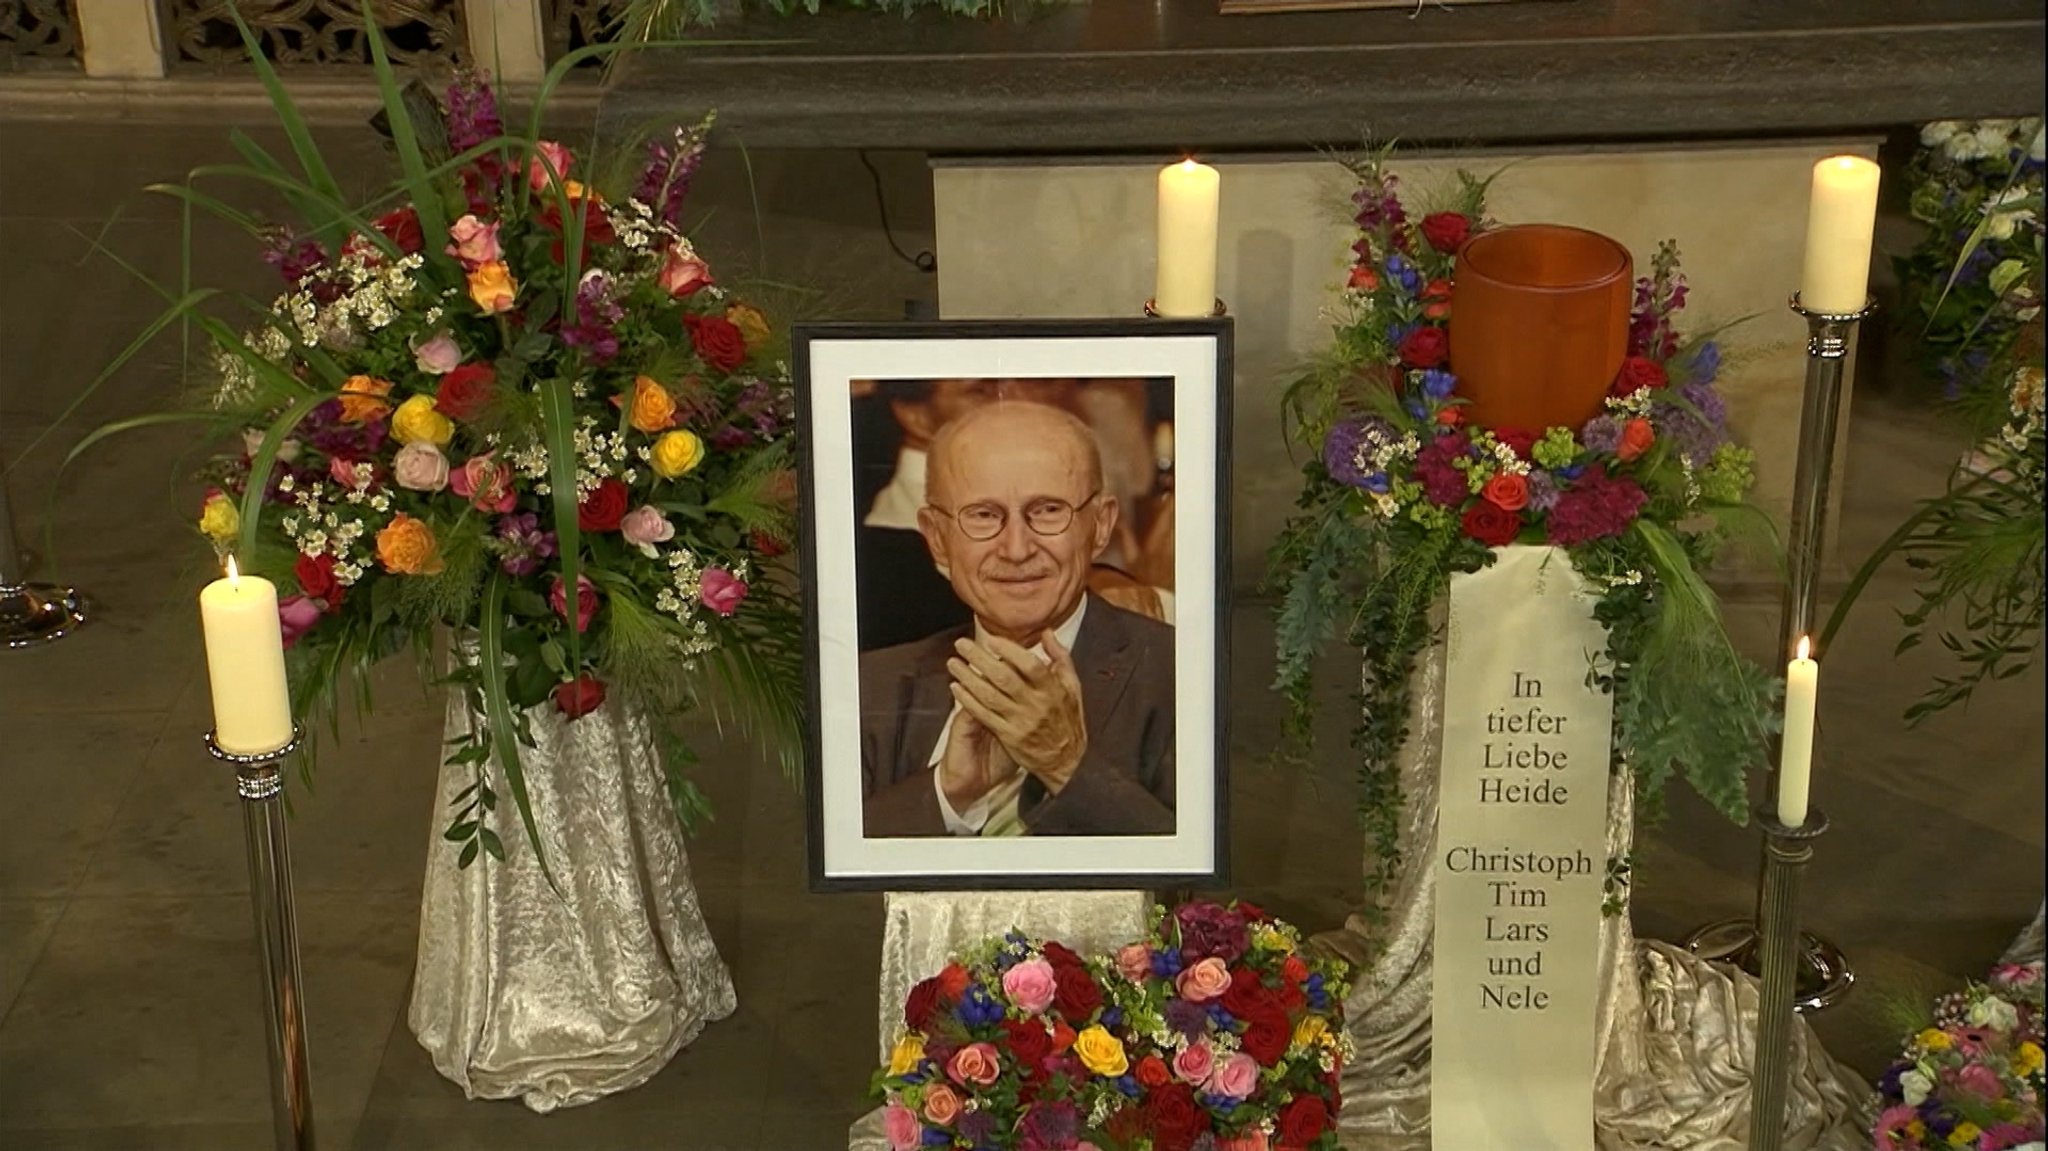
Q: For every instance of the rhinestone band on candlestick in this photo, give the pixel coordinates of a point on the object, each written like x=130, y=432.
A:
x=254, y=731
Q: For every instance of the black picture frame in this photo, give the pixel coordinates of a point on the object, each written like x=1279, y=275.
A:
x=806, y=339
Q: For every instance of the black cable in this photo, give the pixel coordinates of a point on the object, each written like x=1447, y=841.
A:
x=925, y=261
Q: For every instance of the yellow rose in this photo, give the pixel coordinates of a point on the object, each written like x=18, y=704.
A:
x=219, y=519
x=1933, y=1039
x=751, y=323
x=362, y=399
x=417, y=422
x=1101, y=1052
x=407, y=546
x=908, y=1054
x=677, y=454
x=491, y=286
x=1965, y=1134
x=1310, y=1031
x=2027, y=1060
x=653, y=408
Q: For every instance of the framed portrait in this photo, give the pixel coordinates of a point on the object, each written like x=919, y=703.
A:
x=1015, y=552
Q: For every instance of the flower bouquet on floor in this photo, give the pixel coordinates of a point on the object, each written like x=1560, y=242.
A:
x=509, y=399
x=1214, y=1032
x=1971, y=1080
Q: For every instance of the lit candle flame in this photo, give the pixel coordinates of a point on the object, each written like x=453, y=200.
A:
x=1188, y=164
x=234, y=576
x=1805, y=647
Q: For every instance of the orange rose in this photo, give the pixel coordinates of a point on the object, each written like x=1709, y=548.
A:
x=407, y=546
x=1636, y=438
x=362, y=399
x=752, y=324
x=492, y=288
x=654, y=410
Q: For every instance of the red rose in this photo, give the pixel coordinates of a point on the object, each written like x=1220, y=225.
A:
x=1446, y=231
x=1425, y=347
x=1364, y=279
x=1075, y=995
x=718, y=341
x=1267, y=1034
x=1636, y=437
x=1174, y=1117
x=1252, y=912
x=1302, y=1122
x=604, y=507
x=597, y=229
x=953, y=980
x=1061, y=956
x=465, y=390
x=316, y=579
x=1292, y=999
x=580, y=696
x=1519, y=440
x=922, y=1005
x=1507, y=491
x=1293, y=970
x=1028, y=1045
x=401, y=227
x=1491, y=525
x=1638, y=372
x=1450, y=417
x=1063, y=1037
x=1247, y=996
x=1152, y=1073
x=766, y=543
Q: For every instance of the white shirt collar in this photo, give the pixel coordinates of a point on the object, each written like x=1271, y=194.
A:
x=1066, y=631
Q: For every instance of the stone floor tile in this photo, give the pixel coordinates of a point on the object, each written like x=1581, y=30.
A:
x=149, y=1012
x=25, y=928
x=65, y=777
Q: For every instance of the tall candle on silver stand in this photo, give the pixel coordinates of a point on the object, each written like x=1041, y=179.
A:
x=254, y=731
x=1786, y=852
x=1832, y=300
x=31, y=614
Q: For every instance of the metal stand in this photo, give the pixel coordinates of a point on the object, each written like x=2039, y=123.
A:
x=1824, y=976
x=1152, y=309
x=259, y=780
x=1786, y=851
x=31, y=614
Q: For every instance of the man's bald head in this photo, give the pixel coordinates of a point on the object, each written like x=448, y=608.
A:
x=1035, y=471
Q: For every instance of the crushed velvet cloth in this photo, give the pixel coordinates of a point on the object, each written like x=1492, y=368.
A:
x=2028, y=946
x=560, y=999
x=1675, y=1033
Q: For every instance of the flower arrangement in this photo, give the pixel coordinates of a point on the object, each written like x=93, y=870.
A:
x=508, y=400
x=1971, y=1079
x=1214, y=1028
x=1403, y=490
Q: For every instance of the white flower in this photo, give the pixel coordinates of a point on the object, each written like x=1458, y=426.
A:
x=2037, y=150
x=1915, y=1086
x=1995, y=137
x=1940, y=132
x=1995, y=1013
x=1963, y=146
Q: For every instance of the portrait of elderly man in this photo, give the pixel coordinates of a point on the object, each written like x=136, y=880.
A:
x=1051, y=713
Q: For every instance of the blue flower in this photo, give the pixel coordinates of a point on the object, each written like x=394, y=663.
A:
x=937, y=1137
x=1223, y=1020
x=1706, y=363
x=1378, y=482
x=1128, y=1085
x=1438, y=384
x=1112, y=1016
x=978, y=1008
x=1416, y=408
x=1571, y=471
x=1166, y=964
x=1404, y=273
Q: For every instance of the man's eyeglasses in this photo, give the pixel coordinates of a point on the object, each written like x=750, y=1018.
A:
x=1046, y=517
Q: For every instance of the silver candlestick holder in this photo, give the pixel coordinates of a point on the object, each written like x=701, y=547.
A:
x=1152, y=311
x=259, y=780
x=31, y=614
x=1824, y=972
x=1786, y=852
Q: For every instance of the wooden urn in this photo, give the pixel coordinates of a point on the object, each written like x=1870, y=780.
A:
x=1539, y=324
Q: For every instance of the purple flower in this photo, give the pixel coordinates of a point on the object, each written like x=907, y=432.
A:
x=1438, y=384
x=1443, y=484
x=1054, y=1126
x=1596, y=507
x=1344, y=450
x=1542, y=491
x=524, y=545
x=671, y=166
x=1601, y=435
x=1700, y=429
x=1210, y=930
x=1704, y=366
x=293, y=259
x=1186, y=1017
x=977, y=1127
x=324, y=432
x=472, y=112
x=596, y=312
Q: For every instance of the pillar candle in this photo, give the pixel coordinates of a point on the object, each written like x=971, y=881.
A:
x=1188, y=196
x=252, y=707
x=1795, y=756
x=1839, y=222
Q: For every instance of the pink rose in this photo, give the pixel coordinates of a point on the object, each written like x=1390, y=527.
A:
x=296, y=616
x=901, y=1127
x=976, y=1063
x=682, y=272
x=586, y=600
x=645, y=526
x=474, y=242
x=722, y=591
x=558, y=158
x=1204, y=981
x=485, y=483
x=343, y=472
x=1030, y=984
x=1236, y=1077
x=941, y=1104
x=1981, y=1081
x=439, y=354
x=1196, y=1064
x=420, y=467
x=1135, y=961
x=1252, y=1140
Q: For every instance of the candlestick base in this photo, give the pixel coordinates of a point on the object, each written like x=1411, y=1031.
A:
x=33, y=614
x=259, y=780
x=1152, y=311
x=1822, y=978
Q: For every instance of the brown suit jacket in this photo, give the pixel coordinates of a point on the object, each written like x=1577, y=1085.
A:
x=1125, y=783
